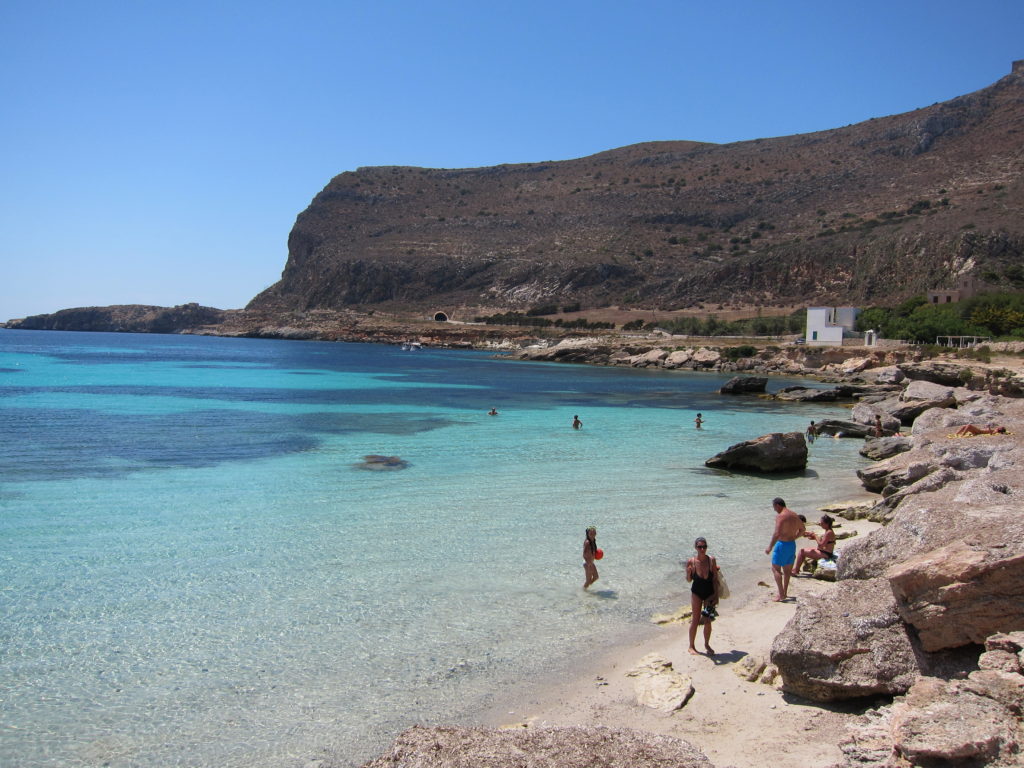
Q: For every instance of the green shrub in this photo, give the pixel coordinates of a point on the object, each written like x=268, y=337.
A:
x=735, y=353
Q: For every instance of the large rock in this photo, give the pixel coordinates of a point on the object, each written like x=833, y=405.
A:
x=879, y=448
x=970, y=454
x=942, y=723
x=843, y=428
x=955, y=723
x=705, y=358
x=917, y=398
x=776, y=452
x=909, y=475
x=945, y=420
x=846, y=644
x=806, y=395
x=889, y=374
x=678, y=358
x=741, y=385
x=647, y=359
x=854, y=509
x=946, y=374
x=930, y=483
x=918, y=527
x=575, y=747
x=659, y=686
x=964, y=591
x=865, y=413
x=876, y=476
x=938, y=395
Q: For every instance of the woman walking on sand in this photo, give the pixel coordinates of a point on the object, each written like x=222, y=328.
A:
x=589, y=550
x=702, y=571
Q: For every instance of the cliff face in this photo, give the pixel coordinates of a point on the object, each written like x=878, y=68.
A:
x=863, y=214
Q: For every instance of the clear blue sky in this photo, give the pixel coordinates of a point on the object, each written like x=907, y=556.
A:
x=159, y=152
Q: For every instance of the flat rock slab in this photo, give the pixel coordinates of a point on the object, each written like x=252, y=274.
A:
x=659, y=686
x=879, y=448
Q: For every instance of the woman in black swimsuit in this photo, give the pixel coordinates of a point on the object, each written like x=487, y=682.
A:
x=702, y=571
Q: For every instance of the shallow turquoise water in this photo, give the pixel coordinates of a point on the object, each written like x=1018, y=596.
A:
x=193, y=570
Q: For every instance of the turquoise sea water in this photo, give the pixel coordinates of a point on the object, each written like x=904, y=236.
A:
x=195, y=571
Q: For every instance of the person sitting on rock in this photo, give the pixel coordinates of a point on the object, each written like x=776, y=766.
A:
x=969, y=430
x=826, y=545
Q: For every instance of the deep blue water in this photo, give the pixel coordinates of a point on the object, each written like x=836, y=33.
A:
x=195, y=569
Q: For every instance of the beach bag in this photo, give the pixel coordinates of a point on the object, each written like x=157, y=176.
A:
x=723, y=587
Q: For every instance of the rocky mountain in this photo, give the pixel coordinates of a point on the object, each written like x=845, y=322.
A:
x=866, y=214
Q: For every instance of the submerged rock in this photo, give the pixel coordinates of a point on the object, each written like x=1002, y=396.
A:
x=381, y=463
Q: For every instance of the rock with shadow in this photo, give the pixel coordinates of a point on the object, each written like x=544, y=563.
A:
x=744, y=385
x=848, y=644
x=879, y=448
x=960, y=593
x=776, y=452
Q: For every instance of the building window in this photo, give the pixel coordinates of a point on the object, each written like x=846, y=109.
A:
x=814, y=335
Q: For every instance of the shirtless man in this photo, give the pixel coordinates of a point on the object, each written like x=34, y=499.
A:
x=782, y=548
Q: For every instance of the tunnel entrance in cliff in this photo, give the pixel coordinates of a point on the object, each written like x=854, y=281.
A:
x=441, y=317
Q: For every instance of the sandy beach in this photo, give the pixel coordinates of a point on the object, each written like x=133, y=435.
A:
x=733, y=721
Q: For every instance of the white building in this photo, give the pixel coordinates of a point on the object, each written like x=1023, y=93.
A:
x=826, y=325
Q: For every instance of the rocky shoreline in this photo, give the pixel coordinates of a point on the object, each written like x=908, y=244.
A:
x=923, y=630
x=929, y=608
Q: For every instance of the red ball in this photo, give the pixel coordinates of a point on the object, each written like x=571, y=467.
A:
x=599, y=554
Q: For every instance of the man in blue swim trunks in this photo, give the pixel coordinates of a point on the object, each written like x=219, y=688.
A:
x=788, y=528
